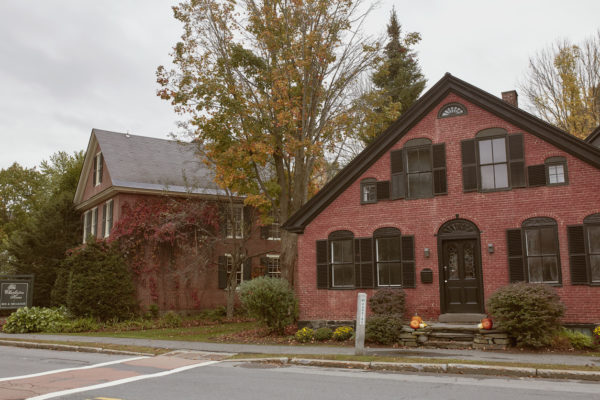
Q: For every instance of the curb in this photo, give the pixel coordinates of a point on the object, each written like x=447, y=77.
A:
x=67, y=347
x=461, y=369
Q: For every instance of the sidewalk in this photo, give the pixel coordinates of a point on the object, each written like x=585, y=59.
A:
x=450, y=354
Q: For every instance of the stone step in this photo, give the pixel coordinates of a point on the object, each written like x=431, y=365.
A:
x=461, y=318
x=456, y=336
x=465, y=328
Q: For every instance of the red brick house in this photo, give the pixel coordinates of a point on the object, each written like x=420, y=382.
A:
x=122, y=169
x=462, y=195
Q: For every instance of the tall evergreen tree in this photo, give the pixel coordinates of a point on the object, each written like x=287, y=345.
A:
x=396, y=83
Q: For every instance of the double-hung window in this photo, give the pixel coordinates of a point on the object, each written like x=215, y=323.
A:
x=98, y=167
x=419, y=172
x=107, y=218
x=388, y=251
x=342, y=263
x=493, y=163
x=234, y=227
x=90, y=222
x=273, y=267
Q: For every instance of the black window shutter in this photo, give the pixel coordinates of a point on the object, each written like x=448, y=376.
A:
x=247, y=270
x=363, y=263
x=516, y=270
x=264, y=231
x=322, y=265
x=396, y=158
x=577, y=257
x=536, y=174
x=516, y=159
x=247, y=226
x=104, y=208
x=440, y=185
x=95, y=171
x=100, y=167
x=469, y=165
x=383, y=190
x=222, y=272
x=408, y=262
x=111, y=209
x=87, y=218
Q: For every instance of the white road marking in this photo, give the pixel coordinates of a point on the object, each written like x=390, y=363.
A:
x=56, y=371
x=120, y=381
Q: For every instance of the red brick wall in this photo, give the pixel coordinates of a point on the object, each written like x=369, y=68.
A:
x=185, y=286
x=493, y=213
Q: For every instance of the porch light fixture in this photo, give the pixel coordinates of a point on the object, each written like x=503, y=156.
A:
x=426, y=252
x=490, y=248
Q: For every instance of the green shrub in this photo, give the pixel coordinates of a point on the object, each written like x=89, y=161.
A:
x=304, y=335
x=530, y=313
x=596, y=335
x=36, y=319
x=270, y=300
x=216, y=314
x=343, y=333
x=383, y=329
x=80, y=325
x=97, y=283
x=388, y=302
x=577, y=340
x=171, y=320
x=324, y=333
x=154, y=311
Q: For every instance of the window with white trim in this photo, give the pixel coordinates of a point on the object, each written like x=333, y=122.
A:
x=107, y=218
x=90, y=222
x=229, y=265
x=275, y=229
x=98, y=161
x=273, y=266
x=234, y=228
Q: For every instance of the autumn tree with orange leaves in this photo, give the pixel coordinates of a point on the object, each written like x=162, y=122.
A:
x=262, y=87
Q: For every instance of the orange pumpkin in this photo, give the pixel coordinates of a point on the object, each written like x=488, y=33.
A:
x=487, y=323
x=414, y=324
x=417, y=318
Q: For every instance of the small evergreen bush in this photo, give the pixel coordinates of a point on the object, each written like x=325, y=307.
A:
x=171, y=320
x=383, y=329
x=343, y=333
x=36, y=319
x=577, y=340
x=95, y=282
x=529, y=313
x=324, y=333
x=270, y=300
x=304, y=335
x=388, y=302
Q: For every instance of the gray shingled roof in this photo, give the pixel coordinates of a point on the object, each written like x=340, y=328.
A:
x=157, y=164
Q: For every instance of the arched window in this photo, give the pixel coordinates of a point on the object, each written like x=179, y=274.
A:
x=452, y=110
x=388, y=256
x=341, y=258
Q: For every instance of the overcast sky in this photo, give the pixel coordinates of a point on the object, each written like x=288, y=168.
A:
x=69, y=66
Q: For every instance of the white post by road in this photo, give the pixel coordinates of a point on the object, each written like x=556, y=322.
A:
x=361, y=317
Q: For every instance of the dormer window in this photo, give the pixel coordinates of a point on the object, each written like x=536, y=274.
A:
x=97, y=169
x=452, y=110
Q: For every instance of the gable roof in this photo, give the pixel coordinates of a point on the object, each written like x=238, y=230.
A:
x=149, y=164
x=593, y=136
x=448, y=84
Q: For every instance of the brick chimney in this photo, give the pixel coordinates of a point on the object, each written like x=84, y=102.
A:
x=511, y=98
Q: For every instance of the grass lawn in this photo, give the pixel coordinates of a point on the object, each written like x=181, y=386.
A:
x=204, y=333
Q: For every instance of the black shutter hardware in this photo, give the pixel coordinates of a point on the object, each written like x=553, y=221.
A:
x=577, y=256
x=322, y=265
x=440, y=184
x=516, y=270
x=516, y=156
x=408, y=262
x=536, y=175
x=469, y=165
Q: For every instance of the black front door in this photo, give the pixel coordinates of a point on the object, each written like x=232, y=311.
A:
x=460, y=269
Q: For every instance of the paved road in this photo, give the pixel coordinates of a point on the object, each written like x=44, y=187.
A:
x=226, y=381
x=187, y=375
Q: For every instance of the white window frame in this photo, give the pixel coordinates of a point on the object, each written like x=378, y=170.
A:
x=234, y=230
x=274, y=257
x=91, y=213
x=229, y=268
x=275, y=227
x=98, y=162
x=107, y=228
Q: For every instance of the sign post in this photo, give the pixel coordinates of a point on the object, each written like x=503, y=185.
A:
x=16, y=291
x=361, y=317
